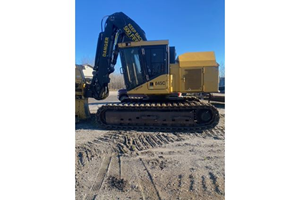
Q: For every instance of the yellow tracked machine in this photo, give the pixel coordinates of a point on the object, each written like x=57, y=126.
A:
x=151, y=69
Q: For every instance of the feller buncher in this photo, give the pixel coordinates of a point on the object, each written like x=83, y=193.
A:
x=150, y=68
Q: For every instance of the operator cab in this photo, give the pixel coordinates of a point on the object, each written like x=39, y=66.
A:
x=143, y=61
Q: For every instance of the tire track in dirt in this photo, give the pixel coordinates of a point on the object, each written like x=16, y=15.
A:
x=214, y=180
x=210, y=184
x=180, y=180
x=149, y=140
x=180, y=184
x=126, y=142
x=192, y=182
x=139, y=182
x=85, y=154
x=139, y=142
x=120, y=167
x=183, y=186
x=136, y=141
x=141, y=176
x=151, y=178
x=203, y=182
x=102, y=173
x=114, y=180
x=142, y=140
x=186, y=187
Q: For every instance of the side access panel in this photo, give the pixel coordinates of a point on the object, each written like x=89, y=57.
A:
x=210, y=79
x=191, y=79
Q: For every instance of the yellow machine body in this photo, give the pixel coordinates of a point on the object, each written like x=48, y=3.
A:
x=195, y=72
x=81, y=103
x=153, y=78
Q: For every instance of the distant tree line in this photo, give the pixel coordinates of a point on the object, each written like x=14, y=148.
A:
x=116, y=82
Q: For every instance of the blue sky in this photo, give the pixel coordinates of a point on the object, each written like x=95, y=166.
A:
x=190, y=25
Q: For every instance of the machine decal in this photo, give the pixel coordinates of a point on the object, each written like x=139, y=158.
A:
x=160, y=83
x=105, y=47
x=132, y=33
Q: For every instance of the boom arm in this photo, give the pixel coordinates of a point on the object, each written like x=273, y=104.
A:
x=118, y=28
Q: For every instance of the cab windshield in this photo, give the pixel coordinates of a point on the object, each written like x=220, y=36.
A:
x=132, y=68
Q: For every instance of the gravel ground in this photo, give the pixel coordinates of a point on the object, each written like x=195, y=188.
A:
x=149, y=165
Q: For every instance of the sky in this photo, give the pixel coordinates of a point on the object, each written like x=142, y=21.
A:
x=190, y=25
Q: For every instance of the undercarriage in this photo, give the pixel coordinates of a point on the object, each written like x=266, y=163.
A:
x=186, y=114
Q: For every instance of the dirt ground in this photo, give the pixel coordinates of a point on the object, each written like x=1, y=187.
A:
x=149, y=165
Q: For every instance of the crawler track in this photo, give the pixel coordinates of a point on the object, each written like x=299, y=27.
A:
x=187, y=114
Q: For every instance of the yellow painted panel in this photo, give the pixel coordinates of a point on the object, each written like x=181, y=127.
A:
x=79, y=76
x=82, y=109
x=174, y=71
x=211, y=79
x=191, y=79
x=201, y=59
x=159, y=85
